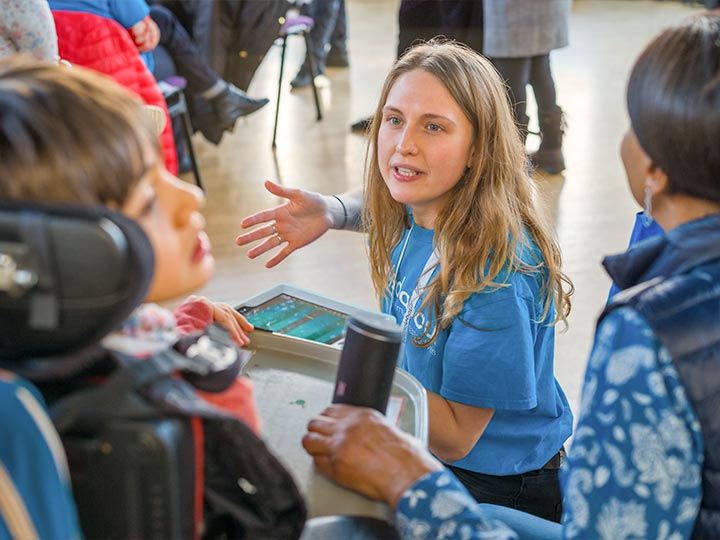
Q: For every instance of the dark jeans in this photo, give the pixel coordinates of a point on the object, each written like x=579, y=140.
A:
x=420, y=20
x=164, y=68
x=325, y=14
x=535, y=71
x=338, y=39
x=182, y=50
x=535, y=492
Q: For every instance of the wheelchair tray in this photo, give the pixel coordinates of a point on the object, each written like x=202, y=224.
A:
x=294, y=380
x=303, y=314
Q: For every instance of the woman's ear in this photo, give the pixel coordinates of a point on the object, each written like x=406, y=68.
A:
x=656, y=180
x=471, y=156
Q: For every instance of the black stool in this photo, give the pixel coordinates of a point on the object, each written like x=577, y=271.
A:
x=299, y=25
x=172, y=90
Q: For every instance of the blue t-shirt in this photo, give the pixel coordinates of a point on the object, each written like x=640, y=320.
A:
x=125, y=12
x=498, y=354
x=33, y=463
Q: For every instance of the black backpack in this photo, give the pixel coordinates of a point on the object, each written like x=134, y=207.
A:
x=150, y=459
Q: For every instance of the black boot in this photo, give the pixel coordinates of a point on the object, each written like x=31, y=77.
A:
x=337, y=58
x=303, y=79
x=549, y=156
x=232, y=103
x=362, y=125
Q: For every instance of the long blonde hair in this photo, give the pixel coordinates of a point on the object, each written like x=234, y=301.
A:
x=492, y=207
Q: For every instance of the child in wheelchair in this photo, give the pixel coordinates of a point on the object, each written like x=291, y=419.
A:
x=72, y=137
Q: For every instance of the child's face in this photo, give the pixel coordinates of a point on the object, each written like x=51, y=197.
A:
x=168, y=210
x=424, y=144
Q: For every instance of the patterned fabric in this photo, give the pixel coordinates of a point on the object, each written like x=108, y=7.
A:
x=634, y=470
x=27, y=26
x=439, y=507
x=148, y=330
x=152, y=328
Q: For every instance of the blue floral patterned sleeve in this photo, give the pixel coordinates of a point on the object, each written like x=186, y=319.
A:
x=438, y=507
x=634, y=469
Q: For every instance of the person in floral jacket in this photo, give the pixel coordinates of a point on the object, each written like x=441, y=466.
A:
x=645, y=458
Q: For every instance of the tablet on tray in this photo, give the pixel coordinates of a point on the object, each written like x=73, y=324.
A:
x=291, y=311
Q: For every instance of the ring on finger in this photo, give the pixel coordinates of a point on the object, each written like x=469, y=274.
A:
x=279, y=238
x=274, y=229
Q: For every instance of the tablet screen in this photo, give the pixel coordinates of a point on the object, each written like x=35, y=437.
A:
x=286, y=314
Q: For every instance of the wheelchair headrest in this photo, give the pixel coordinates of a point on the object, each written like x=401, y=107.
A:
x=68, y=276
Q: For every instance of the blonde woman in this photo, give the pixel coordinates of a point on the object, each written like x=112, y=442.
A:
x=461, y=258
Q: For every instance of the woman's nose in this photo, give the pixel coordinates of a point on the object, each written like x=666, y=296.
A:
x=406, y=142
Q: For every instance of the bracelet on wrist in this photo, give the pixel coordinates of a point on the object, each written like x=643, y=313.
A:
x=345, y=214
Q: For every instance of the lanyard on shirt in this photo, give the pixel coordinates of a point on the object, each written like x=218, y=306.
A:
x=422, y=282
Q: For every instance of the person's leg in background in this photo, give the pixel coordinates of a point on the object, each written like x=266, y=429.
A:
x=525, y=525
x=421, y=20
x=462, y=20
x=549, y=156
x=227, y=101
x=535, y=492
x=418, y=20
x=516, y=73
x=164, y=68
x=338, y=55
x=325, y=14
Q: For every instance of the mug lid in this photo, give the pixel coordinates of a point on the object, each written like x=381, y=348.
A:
x=379, y=327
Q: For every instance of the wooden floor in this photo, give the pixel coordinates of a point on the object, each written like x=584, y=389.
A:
x=590, y=203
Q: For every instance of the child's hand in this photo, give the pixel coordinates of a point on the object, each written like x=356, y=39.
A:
x=237, y=325
x=145, y=34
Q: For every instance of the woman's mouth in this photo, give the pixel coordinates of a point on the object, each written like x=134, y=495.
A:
x=405, y=174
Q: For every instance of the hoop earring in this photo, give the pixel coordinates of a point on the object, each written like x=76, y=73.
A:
x=647, y=210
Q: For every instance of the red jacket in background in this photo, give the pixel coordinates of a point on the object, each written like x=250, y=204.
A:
x=103, y=45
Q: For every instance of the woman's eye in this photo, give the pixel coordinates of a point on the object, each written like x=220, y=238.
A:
x=434, y=127
x=393, y=120
x=149, y=205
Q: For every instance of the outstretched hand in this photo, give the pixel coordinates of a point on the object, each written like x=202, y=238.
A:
x=303, y=218
x=357, y=448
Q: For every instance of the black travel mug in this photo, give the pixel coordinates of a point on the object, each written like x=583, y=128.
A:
x=367, y=363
